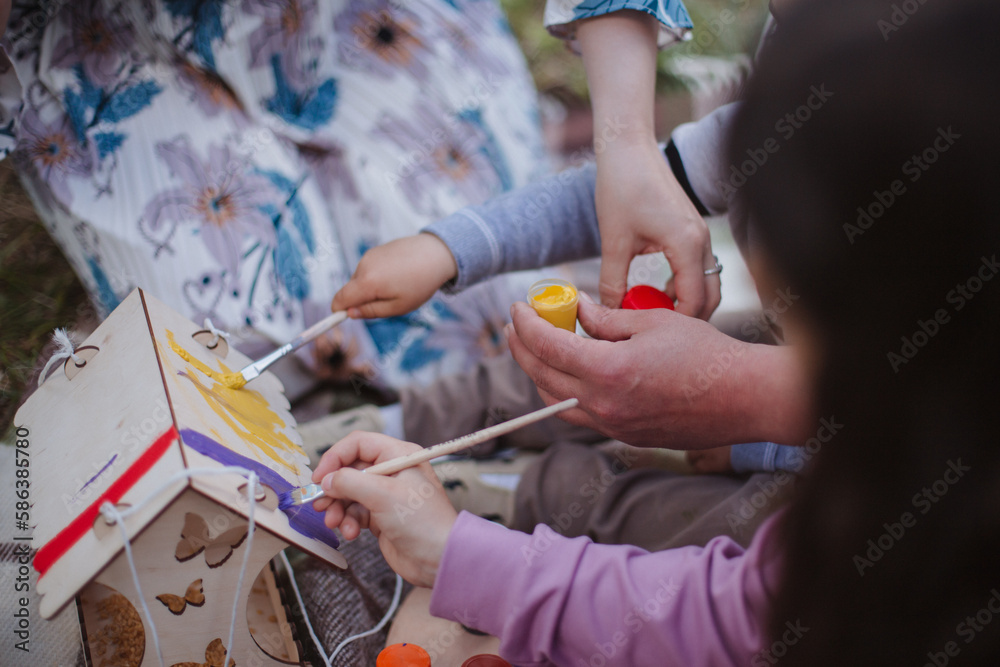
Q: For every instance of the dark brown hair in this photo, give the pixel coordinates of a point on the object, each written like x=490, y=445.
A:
x=879, y=207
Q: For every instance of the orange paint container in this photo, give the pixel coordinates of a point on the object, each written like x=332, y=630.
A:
x=555, y=301
x=403, y=655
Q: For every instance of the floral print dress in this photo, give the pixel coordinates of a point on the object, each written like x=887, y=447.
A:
x=235, y=158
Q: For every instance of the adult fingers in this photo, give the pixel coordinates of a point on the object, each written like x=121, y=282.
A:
x=713, y=286
x=615, y=259
x=553, y=381
x=687, y=260
x=575, y=416
x=562, y=350
x=610, y=324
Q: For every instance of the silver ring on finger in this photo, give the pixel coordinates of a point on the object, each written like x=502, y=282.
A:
x=715, y=269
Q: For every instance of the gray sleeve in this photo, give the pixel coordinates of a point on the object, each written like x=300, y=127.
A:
x=702, y=148
x=545, y=223
x=765, y=457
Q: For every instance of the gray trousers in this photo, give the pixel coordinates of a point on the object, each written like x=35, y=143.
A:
x=580, y=490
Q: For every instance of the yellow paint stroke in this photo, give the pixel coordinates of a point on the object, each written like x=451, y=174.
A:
x=245, y=411
x=230, y=380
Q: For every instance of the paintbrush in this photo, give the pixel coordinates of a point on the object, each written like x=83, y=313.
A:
x=312, y=492
x=251, y=372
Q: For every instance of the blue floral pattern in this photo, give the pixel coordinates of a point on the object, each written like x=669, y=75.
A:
x=673, y=17
x=242, y=175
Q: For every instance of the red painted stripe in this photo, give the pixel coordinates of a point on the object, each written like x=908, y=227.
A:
x=57, y=547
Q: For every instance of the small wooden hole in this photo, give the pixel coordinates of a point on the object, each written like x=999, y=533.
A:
x=102, y=527
x=265, y=496
x=219, y=348
x=86, y=353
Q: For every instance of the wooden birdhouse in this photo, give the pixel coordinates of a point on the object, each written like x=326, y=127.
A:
x=146, y=406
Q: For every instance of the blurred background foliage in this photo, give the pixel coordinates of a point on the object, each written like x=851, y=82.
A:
x=39, y=291
x=722, y=29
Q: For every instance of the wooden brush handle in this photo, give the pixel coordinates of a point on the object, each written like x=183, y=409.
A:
x=458, y=444
x=315, y=330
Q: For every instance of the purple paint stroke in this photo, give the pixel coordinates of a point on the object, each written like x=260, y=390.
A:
x=99, y=473
x=303, y=518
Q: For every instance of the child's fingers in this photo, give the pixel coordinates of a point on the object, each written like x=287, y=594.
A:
x=376, y=492
x=321, y=504
x=360, y=514
x=356, y=292
x=334, y=514
x=361, y=448
x=381, y=308
x=349, y=528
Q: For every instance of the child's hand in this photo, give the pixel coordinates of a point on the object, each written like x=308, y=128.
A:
x=714, y=460
x=397, y=277
x=408, y=512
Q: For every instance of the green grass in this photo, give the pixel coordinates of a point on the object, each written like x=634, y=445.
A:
x=560, y=73
x=38, y=292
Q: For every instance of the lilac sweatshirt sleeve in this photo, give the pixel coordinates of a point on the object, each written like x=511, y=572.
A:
x=556, y=600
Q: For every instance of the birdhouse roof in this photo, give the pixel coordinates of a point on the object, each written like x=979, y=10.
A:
x=147, y=406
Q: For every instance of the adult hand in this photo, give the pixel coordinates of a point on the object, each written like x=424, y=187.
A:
x=397, y=277
x=658, y=378
x=408, y=512
x=641, y=209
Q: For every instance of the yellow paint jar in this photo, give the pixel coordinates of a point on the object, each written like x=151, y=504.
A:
x=555, y=301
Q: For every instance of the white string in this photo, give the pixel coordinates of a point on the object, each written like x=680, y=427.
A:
x=328, y=661
x=113, y=515
x=381, y=624
x=218, y=333
x=302, y=607
x=252, y=501
x=110, y=512
x=65, y=349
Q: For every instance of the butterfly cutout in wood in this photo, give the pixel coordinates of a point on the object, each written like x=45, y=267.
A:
x=195, y=596
x=196, y=537
x=215, y=655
